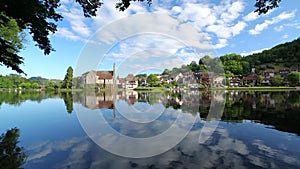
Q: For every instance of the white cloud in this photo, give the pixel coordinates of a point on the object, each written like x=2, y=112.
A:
x=236, y=29
x=251, y=16
x=200, y=14
x=176, y=10
x=222, y=43
x=220, y=19
x=260, y=27
x=223, y=31
x=77, y=21
x=233, y=12
x=66, y=33
x=279, y=28
x=252, y=52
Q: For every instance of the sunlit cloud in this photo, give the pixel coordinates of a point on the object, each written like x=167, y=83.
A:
x=262, y=26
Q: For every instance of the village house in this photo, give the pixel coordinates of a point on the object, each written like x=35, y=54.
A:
x=266, y=78
x=102, y=79
x=234, y=81
x=250, y=79
x=143, y=82
x=121, y=82
x=206, y=77
x=219, y=81
x=131, y=82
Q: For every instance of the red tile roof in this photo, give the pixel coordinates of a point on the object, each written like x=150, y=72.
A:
x=105, y=74
x=250, y=77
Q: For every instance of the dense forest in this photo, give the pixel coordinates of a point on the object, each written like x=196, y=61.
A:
x=281, y=56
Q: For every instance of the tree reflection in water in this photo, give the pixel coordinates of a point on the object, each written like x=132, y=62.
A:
x=68, y=99
x=11, y=155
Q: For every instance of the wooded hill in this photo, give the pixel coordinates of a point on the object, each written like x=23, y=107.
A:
x=282, y=56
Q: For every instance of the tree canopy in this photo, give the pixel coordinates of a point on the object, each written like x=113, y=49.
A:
x=67, y=82
x=263, y=6
x=152, y=80
x=287, y=54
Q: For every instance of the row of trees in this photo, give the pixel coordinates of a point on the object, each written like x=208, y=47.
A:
x=17, y=81
x=234, y=65
x=230, y=64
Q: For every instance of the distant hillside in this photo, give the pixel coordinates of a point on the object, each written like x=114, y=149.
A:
x=281, y=56
x=42, y=80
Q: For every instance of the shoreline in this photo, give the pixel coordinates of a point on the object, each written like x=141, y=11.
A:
x=149, y=89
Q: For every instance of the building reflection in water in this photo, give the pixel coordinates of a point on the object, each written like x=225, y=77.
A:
x=192, y=102
x=107, y=99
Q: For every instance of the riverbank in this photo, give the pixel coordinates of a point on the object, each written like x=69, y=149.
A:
x=160, y=89
x=261, y=88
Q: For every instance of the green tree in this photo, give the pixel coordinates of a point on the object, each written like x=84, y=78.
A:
x=263, y=6
x=25, y=85
x=152, y=80
x=277, y=80
x=141, y=75
x=166, y=72
x=34, y=85
x=245, y=68
x=53, y=85
x=67, y=82
x=194, y=67
x=233, y=63
x=11, y=81
x=294, y=78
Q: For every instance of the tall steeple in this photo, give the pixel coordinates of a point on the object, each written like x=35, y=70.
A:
x=114, y=69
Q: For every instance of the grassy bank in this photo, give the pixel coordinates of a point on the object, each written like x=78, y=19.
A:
x=153, y=89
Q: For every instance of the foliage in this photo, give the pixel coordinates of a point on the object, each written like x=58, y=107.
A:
x=17, y=81
x=263, y=6
x=10, y=42
x=11, y=155
x=166, y=72
x=194, y=67
x=235, y=64
x=67, y=82
x=39, y=80
x=11, y=81
x=287, y=54
x=124, y=4
x=294, y=78
x=10, y=32
x=277, y=80
x=153, y=80
x=141, y=75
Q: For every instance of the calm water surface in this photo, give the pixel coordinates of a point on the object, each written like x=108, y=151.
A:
x=256, y=129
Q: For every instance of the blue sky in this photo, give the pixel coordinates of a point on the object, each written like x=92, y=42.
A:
x=137, y=41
